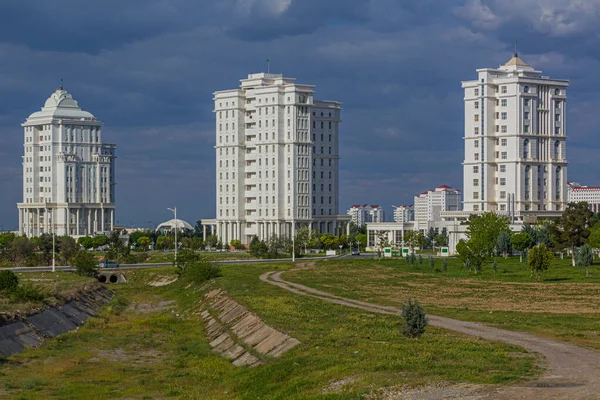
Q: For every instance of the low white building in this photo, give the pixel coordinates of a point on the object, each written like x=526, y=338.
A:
x=68, y=172
x=591, y=194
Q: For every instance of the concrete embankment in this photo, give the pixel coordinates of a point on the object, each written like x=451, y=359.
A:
x=34, y=330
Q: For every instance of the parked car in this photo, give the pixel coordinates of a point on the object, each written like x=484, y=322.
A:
x=355, y=252
x=108, y=264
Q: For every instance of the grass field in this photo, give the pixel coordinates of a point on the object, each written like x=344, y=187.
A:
x=565, y=305
x=150, y=344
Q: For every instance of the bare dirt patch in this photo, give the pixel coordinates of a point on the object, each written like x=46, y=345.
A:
x=163, y=280
x=152, y=306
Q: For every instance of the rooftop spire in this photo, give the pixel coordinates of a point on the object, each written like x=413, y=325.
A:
x=516, y=54
x=62, y=81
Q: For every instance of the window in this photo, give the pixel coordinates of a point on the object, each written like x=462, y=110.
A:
x=502, y=207
x=476, y=131
x=557, y=91
x=475, y=182
x=557, y=149
x=476, y=117
x=526, y=148
x=476, y=208
x=475, y=169
x=475, y=195
x=504, y=102
x=504, y=142
x=526, y=102
x=526, y=129
x=504, y=156
x=476, y=105
x=476, y=143
x=557, y=130
x=504, y=89
x=502, y=181
x=504, y=129
x=526, y=89
x=503, y=168
x=526, y=115
x=504, y=116
x=503, y=195
x=476, y=155
x=476, y=92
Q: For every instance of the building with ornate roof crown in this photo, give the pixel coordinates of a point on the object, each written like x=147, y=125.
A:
x=68, y=173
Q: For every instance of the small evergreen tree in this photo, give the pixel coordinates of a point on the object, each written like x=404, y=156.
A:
x=414, y=318
x=504, y=245
x=9, y=281
x=495, y=267
x=420, y=259
x=85, y=263
x=445, y=265
x=539, y=259
x=431, y=262
x=585, y=257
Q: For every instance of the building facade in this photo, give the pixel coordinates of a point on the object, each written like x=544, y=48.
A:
x=68, y=172
x=590, y=194
x=404, y=213
x=362, y=214
x=515, y=140
x=429, y=205
x=277, y=160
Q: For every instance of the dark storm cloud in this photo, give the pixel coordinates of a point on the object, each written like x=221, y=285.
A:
x=148, y=69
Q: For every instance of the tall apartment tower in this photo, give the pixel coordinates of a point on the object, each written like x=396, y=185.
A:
x=68, y=173
x=515, y=140
x=277, y=159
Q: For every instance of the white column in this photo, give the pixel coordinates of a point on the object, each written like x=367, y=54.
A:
x=67, y=221
x=78, y=232
x=203, y=232
x=89, y=220
x=102, y=222
x=112, y=219
x=20, y=221
x=37, y=226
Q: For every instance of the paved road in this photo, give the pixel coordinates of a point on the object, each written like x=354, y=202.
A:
x=160, y=265
x=572, y=372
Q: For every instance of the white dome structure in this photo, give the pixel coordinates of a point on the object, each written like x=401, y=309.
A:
x=170, y=225
x=61, y=105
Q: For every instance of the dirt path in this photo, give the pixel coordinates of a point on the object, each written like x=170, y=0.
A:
x=572, y=372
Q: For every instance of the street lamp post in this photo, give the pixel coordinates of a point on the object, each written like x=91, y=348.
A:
x=49, y=211
x=174, y=210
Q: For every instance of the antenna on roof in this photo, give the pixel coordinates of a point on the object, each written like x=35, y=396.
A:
x=516, y=54
x=268, y=65
x=62, y=81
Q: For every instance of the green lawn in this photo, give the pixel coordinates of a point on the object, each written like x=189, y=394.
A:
x=565, y=305
x=165, y=354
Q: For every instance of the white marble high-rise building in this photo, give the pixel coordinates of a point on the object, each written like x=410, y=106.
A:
x=277, y=159
x=429, y=205
x=68, y=172
x=515, y=140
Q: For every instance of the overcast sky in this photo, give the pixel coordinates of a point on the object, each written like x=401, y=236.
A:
x=148, y=68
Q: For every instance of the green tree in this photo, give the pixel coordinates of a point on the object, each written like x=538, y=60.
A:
x=441, y=240
x=99, y=241
x=415, y=319
x=236, y=244
x=361, y=238
x=85, y=263
x=429, y=239
x=9, y=281
x=327, y=240
x=302, y=237
x=212, y=241
x=504, y=244
x=585, y=257
x=258, y=248
x=574, y=226
x=539, y=260
x=315, y=240
x=485, y=230
x=521, y=242
x=68, y=247
x=413, y=239
x=143, y=242
x=86, y=242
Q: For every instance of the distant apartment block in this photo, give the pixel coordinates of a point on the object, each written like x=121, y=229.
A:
x=404, y=214
x=591, y=194
x=362, y=214
x=428, y=205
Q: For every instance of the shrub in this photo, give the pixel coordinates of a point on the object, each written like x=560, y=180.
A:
x=201, y=271
x=9, y=281
x=414, y=318
x=27, y=292
x=445, y=265
x=431, y=262
x=495, y=266
x=85, y=263
x=420, y=259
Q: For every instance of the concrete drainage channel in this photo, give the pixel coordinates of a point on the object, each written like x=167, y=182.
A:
x=35, y=330
x=111, y=277
x=239, y=335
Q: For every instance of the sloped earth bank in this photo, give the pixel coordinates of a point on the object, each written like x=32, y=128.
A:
x=571, y=372
x=34, y=330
